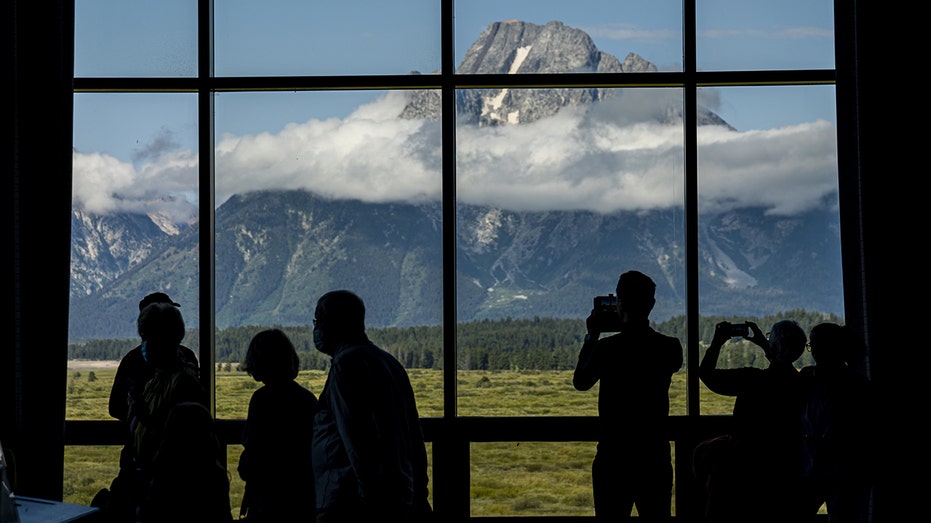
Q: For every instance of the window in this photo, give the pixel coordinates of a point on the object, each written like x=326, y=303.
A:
x=246, y=157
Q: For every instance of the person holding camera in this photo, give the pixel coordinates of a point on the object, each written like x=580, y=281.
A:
x=633, y=464
x=755, y=471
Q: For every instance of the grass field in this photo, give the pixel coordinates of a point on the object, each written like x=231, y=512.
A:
x=507, y=478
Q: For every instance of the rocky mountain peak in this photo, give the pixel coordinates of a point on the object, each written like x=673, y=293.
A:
x=515, y=47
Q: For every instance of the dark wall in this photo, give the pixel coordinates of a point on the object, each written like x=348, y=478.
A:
x=37, y=241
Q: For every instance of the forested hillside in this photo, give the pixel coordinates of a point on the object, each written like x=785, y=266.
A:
x=508, y=344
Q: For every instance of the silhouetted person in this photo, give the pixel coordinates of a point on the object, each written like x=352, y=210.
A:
x=276, y=461
x=369, y=455
x=837, y=425
x=188, y=481
x=134, y=371
x=162, y=328
x=632, y=464
x=169, y=379
x=754, y=474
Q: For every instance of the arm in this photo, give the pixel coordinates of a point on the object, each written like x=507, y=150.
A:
x=587, y=370
x=350, y=395
x=709, y=363
x=118, y=406
x=758, y=338
x=123, y=385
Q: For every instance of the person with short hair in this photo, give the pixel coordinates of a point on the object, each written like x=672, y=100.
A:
x=126, y=403
x=754, y=473
x=633, y=462
x=134, y=370
x=276, y=461
x=369, y=455
x=162, y=327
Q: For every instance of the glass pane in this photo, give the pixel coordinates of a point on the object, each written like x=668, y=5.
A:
x=763, y=34
x=135, y=39
x=554, y=203
x=324, y=191
x=300, y=38
x=534, y=479
x=506, y=36
x=134, y=228
x=769, y=227
x=87, y=469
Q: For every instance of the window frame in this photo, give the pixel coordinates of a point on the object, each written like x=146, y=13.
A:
x=451, y=434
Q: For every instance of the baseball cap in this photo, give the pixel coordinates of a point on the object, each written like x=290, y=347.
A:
x=156, y=297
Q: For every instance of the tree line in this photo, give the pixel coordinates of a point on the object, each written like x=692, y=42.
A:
x=503, y=344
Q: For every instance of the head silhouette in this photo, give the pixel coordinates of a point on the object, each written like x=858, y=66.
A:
x=786, y=342
x=271, y=357
x=338, y=319
x=161, y=327
x=156, y=297
x=827, y=344
x=636, y=295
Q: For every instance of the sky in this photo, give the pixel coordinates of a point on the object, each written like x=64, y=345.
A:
x=131, y=148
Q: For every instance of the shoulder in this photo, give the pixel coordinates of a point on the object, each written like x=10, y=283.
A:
x=188, y=355
x=664, y=338
x=358, y=352
x=132, y=358
x=299, y=391
x=184, y=376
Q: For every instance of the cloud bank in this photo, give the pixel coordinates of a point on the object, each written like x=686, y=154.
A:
x=616, y=157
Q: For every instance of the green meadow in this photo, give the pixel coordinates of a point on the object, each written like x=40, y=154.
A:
x=507, y=478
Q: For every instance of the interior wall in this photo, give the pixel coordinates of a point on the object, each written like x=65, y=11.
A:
x=37, y=240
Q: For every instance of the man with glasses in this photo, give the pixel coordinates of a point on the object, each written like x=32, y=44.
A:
x=754, y=473
x=369, y=455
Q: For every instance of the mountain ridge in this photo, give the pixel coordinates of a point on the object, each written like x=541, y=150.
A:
x=278, y=250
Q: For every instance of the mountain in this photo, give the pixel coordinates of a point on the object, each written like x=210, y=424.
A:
x=514, y=47
x=277, y=250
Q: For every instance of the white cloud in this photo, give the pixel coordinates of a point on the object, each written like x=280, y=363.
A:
x=607, y=160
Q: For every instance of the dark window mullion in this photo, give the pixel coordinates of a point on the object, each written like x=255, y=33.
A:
x=206, y=170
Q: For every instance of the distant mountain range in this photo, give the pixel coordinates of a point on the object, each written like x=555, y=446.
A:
x=277, y=250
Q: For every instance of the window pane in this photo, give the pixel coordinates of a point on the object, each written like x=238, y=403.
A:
x=324, y=191
x=762, y=34
x=553, y=206
x=531, y=479
x=88, y=468
x=300, y=38
x=534, y=479
x=134, y=224
x=651, y=29
x=769, y=227
x=135, y=39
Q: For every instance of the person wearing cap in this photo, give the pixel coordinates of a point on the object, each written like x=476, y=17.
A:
x=136, y=368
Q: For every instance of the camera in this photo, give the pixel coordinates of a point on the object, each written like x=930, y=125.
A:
x=740, y=330
x=605, y=312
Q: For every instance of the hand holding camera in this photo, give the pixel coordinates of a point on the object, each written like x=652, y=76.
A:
x=604, y=314
x=740, y=330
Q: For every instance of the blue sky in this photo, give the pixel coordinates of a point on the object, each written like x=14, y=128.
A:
x=136, y=145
